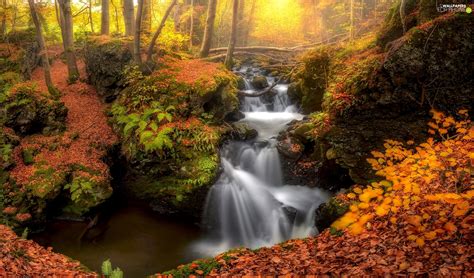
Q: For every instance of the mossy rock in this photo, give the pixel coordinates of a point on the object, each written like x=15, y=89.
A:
x=106, y=60
x=311, y=82
x=22, y=52
x=28, y=111
x=417, y=12
x=374, y=95
x=259, y=82
x=329, y=212
x=172, y=123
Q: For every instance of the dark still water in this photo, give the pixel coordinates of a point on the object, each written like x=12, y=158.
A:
x=133, y=237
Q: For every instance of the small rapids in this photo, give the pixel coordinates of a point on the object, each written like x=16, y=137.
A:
x=250, y=205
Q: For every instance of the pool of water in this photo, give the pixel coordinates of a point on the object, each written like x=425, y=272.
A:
x=133, y=237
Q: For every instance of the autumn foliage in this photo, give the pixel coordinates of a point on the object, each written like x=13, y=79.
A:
x=427, y=190
x=417, y=220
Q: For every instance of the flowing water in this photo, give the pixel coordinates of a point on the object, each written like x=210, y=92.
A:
x=250, y=205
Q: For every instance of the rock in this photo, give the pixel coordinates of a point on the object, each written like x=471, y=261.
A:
x=290, y=212
x=259, y=82
x=294, y=92
x=386, y=95
x=329, y=212
x=290, y=148
x=180, y=162
x=27, y=111
x=240, y=83
x=243, y=132
x=105, y=65
x=311, y=83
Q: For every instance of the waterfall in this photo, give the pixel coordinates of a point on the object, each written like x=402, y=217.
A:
x=250, y=205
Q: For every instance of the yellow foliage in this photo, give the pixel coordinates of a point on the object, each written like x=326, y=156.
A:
x=427, y=189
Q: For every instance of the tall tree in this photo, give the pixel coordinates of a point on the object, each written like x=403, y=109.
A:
x=3, y=26
x=209, y=29
x=351, y=19
x=158, y=31
x=42, y=45
x=241, y=23
x=60, y=19
x=146, y=16
x=68, y=39
x=136, y=39
x=128, y=17
x=105, y=18
x=251, y=19
x=191, y=25
x=233, y=35
x=402, y=15
x=91, y=22
x=116, y=16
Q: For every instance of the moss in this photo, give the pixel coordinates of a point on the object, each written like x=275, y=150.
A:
x=86, y=192
x=330, y=212
x=27, y=111
x=46, y=182
x=417, y=12
x=106, y=59
x=28, y=156
x=172, y=123
x=200, y=267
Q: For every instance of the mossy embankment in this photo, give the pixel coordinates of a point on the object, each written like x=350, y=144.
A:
x=53, y=146
x=382, y=86
x=171, y=122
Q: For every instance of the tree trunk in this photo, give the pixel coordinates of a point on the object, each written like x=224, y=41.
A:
x=128, y=17
x=351, y=26
x=402, y=15
x=136, y=40
x=233, y=35
x=42, y=45
x=241, y=24
x=146, y=16
x=60, y=18
x=3, y=27
x=245, y=41
x=191, y=26
x=209, y=29
x=91, y=22
x=68, y=39
x=177, y=18
x=158, y=31
x=116, y=14
x=105, y=18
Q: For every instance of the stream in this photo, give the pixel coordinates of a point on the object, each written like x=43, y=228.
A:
x=250, y=205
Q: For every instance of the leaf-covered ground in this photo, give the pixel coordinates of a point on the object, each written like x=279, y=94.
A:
x=417, y=220
x=25, y=258
x=86, y=120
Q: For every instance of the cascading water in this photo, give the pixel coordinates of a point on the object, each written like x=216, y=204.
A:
x=250, y=205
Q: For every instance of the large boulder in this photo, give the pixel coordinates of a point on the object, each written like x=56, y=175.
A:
x=374, y=94
x=259, y=82
x=310, y=82
x=19, y=52
x=28, y=111
x=106, y=60
x=172, y=123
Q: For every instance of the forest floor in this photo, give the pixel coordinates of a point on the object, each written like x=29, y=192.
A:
x=86, y=128
x=87, y=119
x=25, y=258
